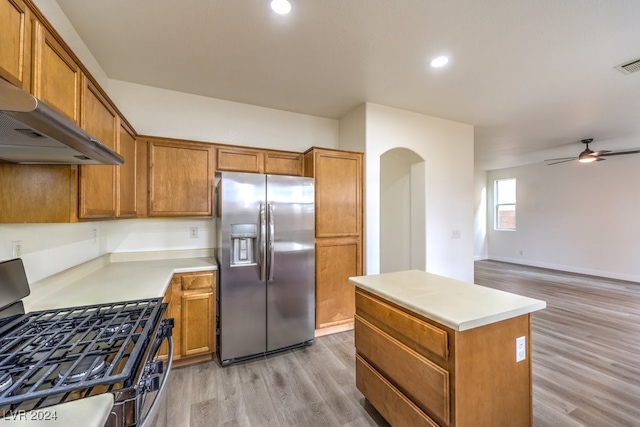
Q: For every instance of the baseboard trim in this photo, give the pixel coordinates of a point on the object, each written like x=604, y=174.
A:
x=334, y=329
x=568, y=268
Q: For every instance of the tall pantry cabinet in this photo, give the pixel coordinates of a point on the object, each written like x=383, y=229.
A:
x=338, y=196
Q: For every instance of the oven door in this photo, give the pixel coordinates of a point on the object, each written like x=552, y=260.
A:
x=153, y=383
x=138, y=404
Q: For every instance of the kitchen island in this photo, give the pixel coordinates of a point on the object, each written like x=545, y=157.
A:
x=435, y=351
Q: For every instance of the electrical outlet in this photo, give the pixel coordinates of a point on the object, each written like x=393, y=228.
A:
x=94, y=234
x=193, y=232
x=521, y=252
x=521, y=349
x=16, y=248
x=455, y=233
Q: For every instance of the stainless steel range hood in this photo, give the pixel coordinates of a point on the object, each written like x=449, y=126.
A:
x=31, y=132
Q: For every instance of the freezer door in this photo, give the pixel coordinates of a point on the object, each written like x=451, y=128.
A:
x=242, y=296
x=290, y=261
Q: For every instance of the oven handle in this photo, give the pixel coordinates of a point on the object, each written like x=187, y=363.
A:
x=165, y=380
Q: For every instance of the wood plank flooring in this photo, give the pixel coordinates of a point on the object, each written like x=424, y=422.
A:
x=586, y=365
x=586, y=344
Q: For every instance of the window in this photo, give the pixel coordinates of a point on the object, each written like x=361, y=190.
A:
x=505, y=197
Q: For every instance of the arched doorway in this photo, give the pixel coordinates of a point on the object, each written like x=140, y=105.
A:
x=402, y=211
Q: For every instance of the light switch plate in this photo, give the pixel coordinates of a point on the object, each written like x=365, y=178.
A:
x=521, y=349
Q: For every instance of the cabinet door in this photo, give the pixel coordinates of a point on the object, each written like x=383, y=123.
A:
x=97, y=182
x=180, y=178
x=281, y=163
x=15, y=39
x=338, y=179
x=336, y=261
x=57, y=77
x=126, y=173
x=38, y=193
x=240, y=160
x=198, y=323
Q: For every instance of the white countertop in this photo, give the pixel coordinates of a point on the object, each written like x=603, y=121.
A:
x=453, y=303
x=87, y=412
x=111, y=278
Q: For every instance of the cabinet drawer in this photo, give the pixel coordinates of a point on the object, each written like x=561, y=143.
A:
x=422, y=381
x=203, y=280
x=407, y=329
x=393, y=405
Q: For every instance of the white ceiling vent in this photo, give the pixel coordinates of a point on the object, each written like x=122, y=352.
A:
x=629, y=67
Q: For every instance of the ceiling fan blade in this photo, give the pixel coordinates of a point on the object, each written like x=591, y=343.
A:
x=561, y=158
x=568, y=159
x=620, y=153
x=600, y=153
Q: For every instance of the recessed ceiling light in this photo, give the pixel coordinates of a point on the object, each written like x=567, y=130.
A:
x=439, y=61
x=281, y=7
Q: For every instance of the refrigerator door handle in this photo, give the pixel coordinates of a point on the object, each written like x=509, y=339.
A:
x=272, y=237
x=263, y=241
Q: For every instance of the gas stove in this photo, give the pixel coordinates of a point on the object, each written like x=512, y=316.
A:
x=59, y=355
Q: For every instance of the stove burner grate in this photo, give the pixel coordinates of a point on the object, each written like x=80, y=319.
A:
x=101, y=344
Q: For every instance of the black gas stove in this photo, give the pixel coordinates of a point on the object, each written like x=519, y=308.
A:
x=55, y=356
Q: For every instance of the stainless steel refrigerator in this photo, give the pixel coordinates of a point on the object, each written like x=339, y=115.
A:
x=266, y=261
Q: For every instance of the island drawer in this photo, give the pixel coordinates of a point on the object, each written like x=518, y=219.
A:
x=422, y=381
x=199, y=280
x=393, y=405
x=421, y=336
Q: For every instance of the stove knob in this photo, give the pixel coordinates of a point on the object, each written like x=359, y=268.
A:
x=149, y=384
x=154, y=367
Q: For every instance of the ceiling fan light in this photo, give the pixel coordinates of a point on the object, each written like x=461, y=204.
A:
x=587, y=156
x=281, y=7
x=587, y=159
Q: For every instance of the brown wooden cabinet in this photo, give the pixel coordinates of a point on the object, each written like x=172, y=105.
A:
x=57, y=78
x=283, y=163
x=126, y=206
x=237, y=159
x=253, y=160
x=15, y=42
x=191, y=298
x=418, y=372
x=338, y=197
x=180, y=177
x=98, y=182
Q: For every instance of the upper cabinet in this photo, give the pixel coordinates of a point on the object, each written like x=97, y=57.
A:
x=240, y=159
x=180, y=177
x=283, y=163
x=338, y=176
x=98, y=183
x=126, y=206
x=15, y=43
x=57, y=78
x=35, y=58
x=236, y=159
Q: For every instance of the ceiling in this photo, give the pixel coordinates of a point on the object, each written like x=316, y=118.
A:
x=533, y=77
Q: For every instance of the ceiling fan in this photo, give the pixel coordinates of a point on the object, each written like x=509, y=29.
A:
x=588, y=155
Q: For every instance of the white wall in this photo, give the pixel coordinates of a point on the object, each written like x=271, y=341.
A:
x=447, y=149
x=402, y=217
x=573, y=217
x=480, y=249
x=161, y=112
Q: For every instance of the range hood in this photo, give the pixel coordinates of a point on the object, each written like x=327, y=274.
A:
x=31, y=132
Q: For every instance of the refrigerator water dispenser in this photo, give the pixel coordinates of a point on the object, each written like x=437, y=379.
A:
x=243, y=242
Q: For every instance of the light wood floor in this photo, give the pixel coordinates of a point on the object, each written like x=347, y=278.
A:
x=586, y=344
x=586, y=365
